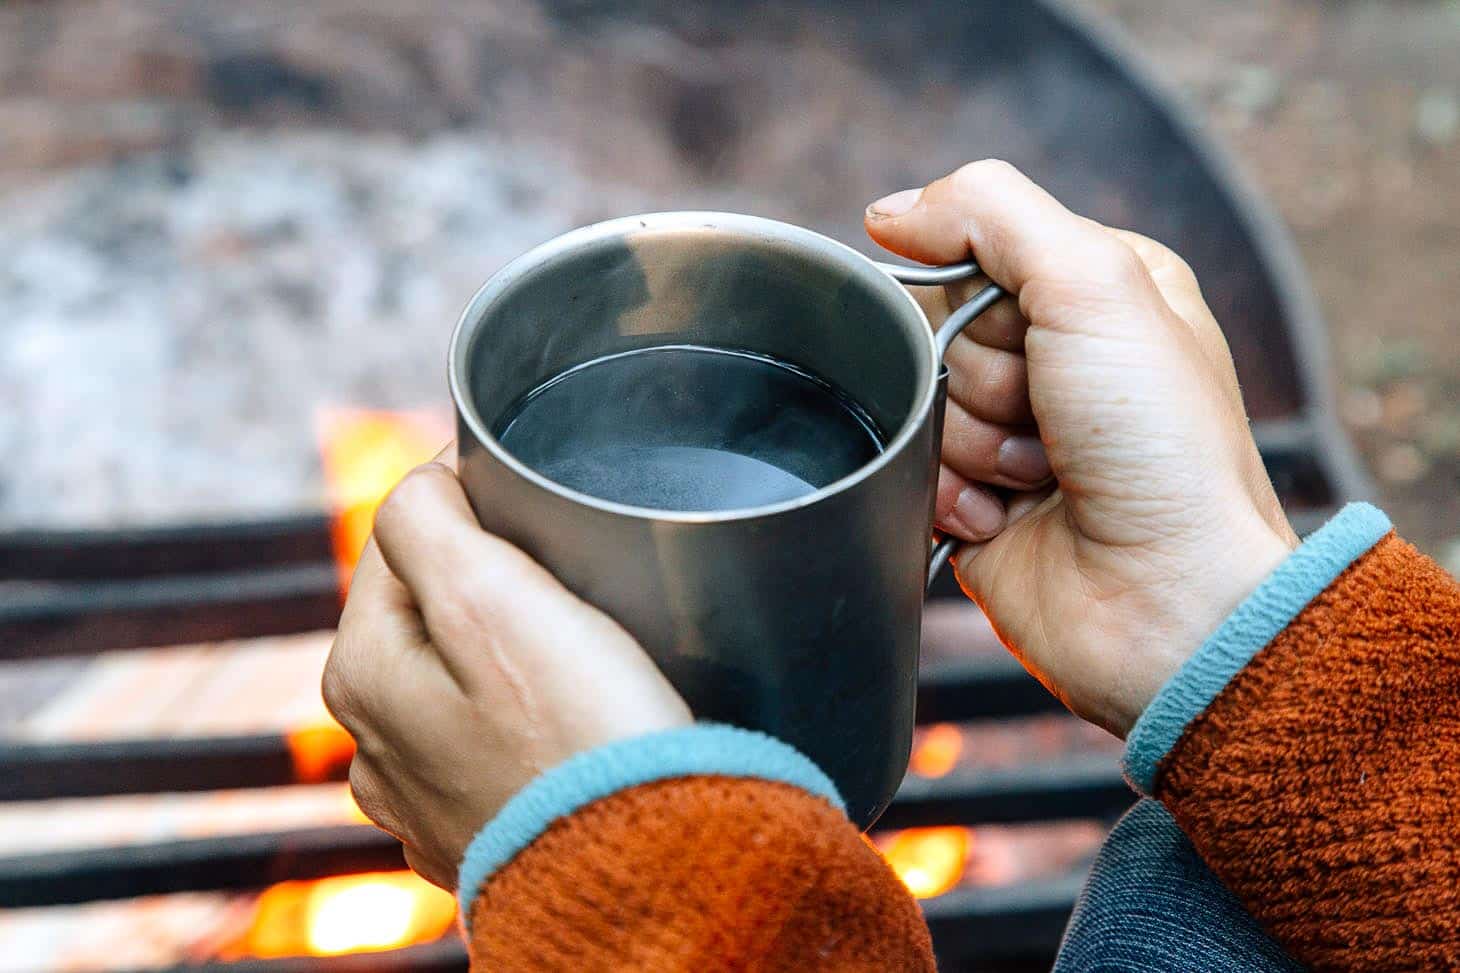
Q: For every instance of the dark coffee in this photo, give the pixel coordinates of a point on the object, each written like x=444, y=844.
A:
x=686, y=427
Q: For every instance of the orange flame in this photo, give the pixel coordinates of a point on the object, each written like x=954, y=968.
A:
x=320, y=753
x=930, y=861
x=936, y=750
x=346, y=914
x=365, y=452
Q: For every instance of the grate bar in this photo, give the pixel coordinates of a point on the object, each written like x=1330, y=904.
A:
x=164, y=550
x=195, y=865
x=447, y=955
x=992, y=687
x=1087, y=787
x=1083, y=788
x=42, y=620
x=1017, y=923
x=1021, y=922
x=43, y=771
x=78, y=593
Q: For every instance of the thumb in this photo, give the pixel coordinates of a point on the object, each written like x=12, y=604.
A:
x=1021, y=236
x=980, y=566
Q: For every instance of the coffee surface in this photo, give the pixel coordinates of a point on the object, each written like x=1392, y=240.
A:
x=689, y=428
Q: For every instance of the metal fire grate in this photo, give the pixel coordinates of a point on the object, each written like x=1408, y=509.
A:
x=72, y=594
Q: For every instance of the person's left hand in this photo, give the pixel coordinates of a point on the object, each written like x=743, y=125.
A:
x=463, y=670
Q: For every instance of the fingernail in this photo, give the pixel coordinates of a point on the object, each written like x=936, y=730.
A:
x=979, y=515
x=895, y=205
x=1023, y=458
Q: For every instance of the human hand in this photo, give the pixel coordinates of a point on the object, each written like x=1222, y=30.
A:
x=463, y=670
x=1160, y=517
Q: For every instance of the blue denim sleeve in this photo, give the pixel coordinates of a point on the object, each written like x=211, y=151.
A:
x=1151, y=905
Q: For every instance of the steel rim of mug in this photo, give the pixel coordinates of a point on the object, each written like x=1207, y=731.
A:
x=755, y=227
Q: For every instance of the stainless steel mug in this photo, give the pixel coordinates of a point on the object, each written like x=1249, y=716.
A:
x=800, y=618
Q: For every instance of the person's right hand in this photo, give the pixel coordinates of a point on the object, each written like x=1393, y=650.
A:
x=1160, y=517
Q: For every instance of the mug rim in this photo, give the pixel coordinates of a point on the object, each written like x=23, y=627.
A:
x=857, y=263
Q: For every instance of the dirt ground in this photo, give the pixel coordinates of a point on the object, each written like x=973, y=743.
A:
x=1347, y=114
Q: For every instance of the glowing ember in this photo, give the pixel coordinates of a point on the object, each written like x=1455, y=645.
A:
x=365, y=453
x=348, y=914
x=936, y=750
x=930, y=861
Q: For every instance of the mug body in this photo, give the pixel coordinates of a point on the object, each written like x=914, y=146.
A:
x=799, y=618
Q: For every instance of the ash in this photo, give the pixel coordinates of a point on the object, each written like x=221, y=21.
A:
x=172, y=322
x=216, y=217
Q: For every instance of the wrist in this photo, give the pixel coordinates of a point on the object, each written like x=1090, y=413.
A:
x=1278, y=598
x=1217, y=577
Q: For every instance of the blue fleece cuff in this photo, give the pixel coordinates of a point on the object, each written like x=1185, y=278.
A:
x=705, y=748
x=1256, y=622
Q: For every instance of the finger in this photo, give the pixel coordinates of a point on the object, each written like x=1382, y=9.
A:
x=1007, y=456
x=1061, y=265
x=1172, y=275
x=967, y=510
x=428, y=537
x=379, y=621
x=1178, y=285
x=369, y=796
x=990, y=383
x=1025, y=502
x=464, y=580
x=1036, y=522
x=373, y=589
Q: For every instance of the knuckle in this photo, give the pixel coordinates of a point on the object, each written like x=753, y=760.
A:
x=463, y=609
x=335, y=688
x=346, y=689
x=984, y=173
x=1117, y=264
x=1177, y=264
x=997, y=390
x=499, y=586
x=365, y=791
x=1180, y=271
x=1163, y=261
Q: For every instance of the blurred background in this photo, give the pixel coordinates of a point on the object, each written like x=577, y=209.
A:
x=234, y=237
x=1347, y=116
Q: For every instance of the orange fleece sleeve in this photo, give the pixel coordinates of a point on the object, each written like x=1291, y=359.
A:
x=703, y=873
x=1322, y=784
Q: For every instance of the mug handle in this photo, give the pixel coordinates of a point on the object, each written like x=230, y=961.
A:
x=942, y=552
x=943, y=337
x=948, y=274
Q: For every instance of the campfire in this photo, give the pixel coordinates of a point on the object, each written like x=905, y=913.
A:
x=365, y=452
x=970, y=819
x=346, y=914
x=930, y=861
